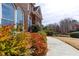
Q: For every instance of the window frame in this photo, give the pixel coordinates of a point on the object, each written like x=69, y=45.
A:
x=8, y=19
x=29, y=24
x=0, y=13
x=22, y=15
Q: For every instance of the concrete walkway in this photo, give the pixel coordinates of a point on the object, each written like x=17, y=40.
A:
x=59, y=48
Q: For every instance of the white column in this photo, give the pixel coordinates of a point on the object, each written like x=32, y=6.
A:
x=28, y=7
x=15, y=18
x=28, y=15
x=0, y=13
x=23, y=20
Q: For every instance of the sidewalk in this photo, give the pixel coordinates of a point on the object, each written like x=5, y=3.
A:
x=59, y=48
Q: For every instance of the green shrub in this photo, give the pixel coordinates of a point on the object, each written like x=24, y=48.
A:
x=35, y=28
x=49, y=32
x=74, y=34
x=42, y=32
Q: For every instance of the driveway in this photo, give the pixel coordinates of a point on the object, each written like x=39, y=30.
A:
x=59, y=48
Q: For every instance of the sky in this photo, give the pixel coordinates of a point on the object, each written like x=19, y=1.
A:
x=56, y=10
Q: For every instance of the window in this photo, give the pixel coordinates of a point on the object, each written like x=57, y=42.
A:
x=0, y=13
x=7, y=14
x=29, y=23
x=20, y=19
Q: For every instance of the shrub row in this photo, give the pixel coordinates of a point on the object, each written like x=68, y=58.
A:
x=74, y=34
x=22, y=43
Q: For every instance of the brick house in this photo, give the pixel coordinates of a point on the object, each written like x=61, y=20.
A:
x=22, y=15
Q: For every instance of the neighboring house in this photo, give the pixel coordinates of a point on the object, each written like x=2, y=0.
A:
x=22, y=15
x=65, y=26
x=68, y=25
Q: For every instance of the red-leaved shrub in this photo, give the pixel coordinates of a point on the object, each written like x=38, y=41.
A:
x=39, y=44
